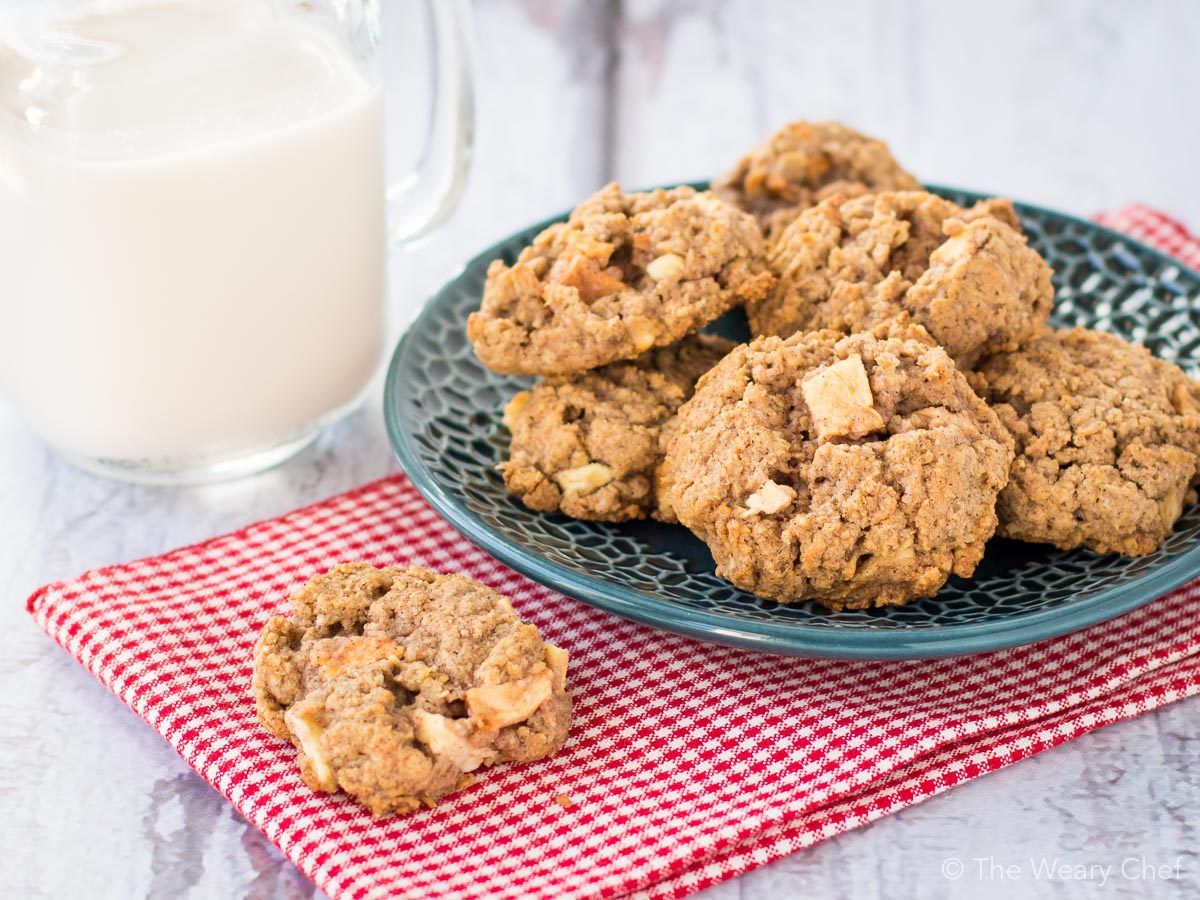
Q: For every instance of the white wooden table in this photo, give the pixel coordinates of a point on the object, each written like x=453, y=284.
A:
x=1074, y=104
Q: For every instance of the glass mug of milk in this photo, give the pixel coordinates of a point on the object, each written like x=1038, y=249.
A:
x=193, y=225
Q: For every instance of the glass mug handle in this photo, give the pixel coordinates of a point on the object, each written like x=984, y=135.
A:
x=421, y=199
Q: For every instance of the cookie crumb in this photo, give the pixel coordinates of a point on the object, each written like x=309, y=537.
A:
x=564, y=801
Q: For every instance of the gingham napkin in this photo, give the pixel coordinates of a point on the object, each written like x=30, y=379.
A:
x=1159, y=231
x=688, y=763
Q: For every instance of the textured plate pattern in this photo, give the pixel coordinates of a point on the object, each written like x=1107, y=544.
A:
x=443, y=414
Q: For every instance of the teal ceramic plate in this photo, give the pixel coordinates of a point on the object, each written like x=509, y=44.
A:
x=443, y=417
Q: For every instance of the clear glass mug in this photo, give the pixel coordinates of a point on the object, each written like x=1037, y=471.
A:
x=193, y=221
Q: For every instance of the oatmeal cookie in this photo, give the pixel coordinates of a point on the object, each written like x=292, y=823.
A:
x=588, y=445
x=856, y=471
x=625, y=273
x=967, y=275
x=805, y=162
x=1107, y=438
x=394, y=684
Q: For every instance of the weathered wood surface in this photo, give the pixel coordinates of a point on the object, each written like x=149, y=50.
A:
x=1077, y=104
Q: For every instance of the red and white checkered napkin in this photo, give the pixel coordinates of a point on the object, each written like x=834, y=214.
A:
x=1159, y=231
x=688, y=763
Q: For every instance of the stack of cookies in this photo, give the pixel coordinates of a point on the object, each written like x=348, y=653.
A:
x=903, y=398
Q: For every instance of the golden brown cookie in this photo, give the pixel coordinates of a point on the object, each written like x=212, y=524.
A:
x=967, y=276
x=805, y=162
x=625, y=273
x=394, y=684
x=588, y=445
x=856, y=471
x=1107, y=438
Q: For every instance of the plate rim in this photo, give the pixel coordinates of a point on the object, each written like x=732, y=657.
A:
x=799, y=639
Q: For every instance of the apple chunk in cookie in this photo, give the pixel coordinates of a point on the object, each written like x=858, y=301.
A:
x=395, y=684
x=839, y=400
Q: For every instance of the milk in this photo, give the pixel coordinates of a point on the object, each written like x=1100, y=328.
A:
x=191, y=231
